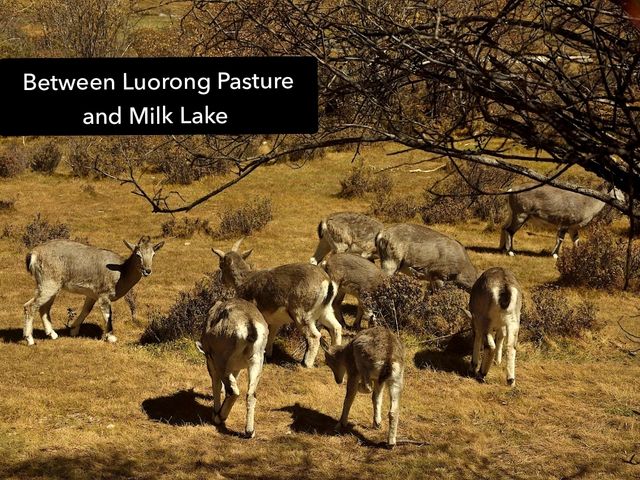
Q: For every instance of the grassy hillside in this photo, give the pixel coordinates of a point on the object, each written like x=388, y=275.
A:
x=81, y=408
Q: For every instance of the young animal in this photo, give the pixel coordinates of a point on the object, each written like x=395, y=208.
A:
x=347, y=232
x=372, y=360
x=420, y=251
x=233, y=339
x=568, y=211
x=353, y=275
x=100, y=275
x=495, y=305
x=297, y=292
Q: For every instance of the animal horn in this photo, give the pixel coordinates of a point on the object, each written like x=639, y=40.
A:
x=236, y=245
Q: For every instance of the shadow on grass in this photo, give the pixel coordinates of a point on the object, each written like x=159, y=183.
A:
x=282, y=357
x=14, y=335
x=307, y=420
x=442, y=361
x=183, y=408
x=496, y=250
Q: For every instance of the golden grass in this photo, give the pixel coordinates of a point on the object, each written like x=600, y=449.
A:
x=81, y=408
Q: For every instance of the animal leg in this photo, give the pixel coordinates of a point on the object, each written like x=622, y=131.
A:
x=512, y=343
x=488, y=355
x=43, y=295
x=107, y=314
x=255, y=369
x=45, y=314
x=231, y=394
x=86, y=309
x=312, y=336
x=477, y=351
x=273, y=331
x=376, y=398
x=509, y=230
x=337, y=307
x=352, y=390
x=395, y=390
x=499, y=343
x=562, y=231
x=575, y=235
x=216, y=385
x=328, y=320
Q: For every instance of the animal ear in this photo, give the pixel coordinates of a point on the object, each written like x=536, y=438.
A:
x=158, y=246
x=246, y=254
x=236, y=245
x=219, y=253
x=129, y=245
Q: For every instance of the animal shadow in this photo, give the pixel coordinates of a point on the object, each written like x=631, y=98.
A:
x=443, y=361
x=282, y=358
x=15, y=335
x=183, y=408
x=496, y=250
x=307, y=420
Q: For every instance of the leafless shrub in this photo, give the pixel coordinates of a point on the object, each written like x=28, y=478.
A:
x=45, y=158
x=394, y=208
x=401, y=303
x=187, y=315
x=551, y=314
x=13, y=161
x=6, y=205
x=186, y=227
x=251, y=217
x=598, y=261
x=363, y=179
x=79, y=158
x=39, y=230
x=466, y=201
x=9, y=231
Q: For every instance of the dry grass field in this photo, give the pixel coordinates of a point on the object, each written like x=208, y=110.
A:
x=82, y=408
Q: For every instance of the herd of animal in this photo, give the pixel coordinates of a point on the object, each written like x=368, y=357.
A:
x=239, y=332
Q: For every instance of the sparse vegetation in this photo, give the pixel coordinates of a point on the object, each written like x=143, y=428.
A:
x=402, y=304
x=362, y=180
x=598, y=261
x=551, y=314
x=394, y=208
x=79, y=159
x=186, y=227
x=251, y=217
x=13, y=161
x=187, y=315
x=40, y=230
x=46, y=158
x=6, y=205
x=462, y=196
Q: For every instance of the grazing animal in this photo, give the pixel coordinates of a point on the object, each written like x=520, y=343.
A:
x=372, y=360
x=495, y=305
x=568, y=211
x=297, y=292
x=353, y=275
x=100, y=275
x=347, y=232
x=233, y=339
x=420, y=251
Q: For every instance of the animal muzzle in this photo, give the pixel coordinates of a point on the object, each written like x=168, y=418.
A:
x=146, y=272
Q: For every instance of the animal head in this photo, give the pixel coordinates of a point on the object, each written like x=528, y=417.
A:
x=232, y=263
x=143, y=252
x=333, y=359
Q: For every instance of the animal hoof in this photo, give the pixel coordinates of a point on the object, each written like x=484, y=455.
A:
x=53, y=335
x=339, y=427
x=217, y=420
x=390, y=446
x=511, y=254
x=313, y=261
x=480, y=378
x=74, y=332
x=250, y=434
x=555, y=256
x=30, y=341
x=111, y=338
x=377, y=425
x=511, y=382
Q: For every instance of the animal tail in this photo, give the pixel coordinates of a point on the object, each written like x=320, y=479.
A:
x=331, y=293
x=30, y=262
x=506, y=297
x=322, y=228
x=385, y=371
